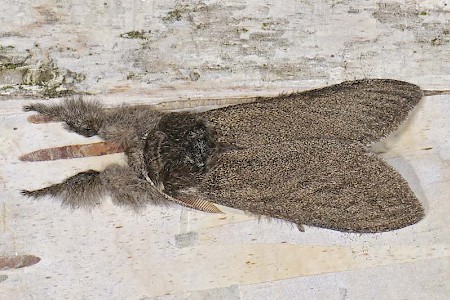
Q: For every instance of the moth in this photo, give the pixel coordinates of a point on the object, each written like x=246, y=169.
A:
x=302, y=157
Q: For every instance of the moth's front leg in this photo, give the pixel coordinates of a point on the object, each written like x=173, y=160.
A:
x=84, y=189
x=82, y=117
x=87, y=189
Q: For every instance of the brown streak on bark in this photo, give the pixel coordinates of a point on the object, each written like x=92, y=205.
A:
x=17, y=261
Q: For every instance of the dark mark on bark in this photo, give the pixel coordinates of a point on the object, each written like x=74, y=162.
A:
x=186, y=239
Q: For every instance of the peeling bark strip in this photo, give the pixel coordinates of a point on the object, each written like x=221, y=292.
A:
x=195, y=103
x=72, y=151
x=17, y=261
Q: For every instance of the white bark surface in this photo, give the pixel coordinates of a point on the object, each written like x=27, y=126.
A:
x=153, y=51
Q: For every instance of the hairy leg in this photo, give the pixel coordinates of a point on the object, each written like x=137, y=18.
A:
x=129, y=126
x=124, y=125
x=84, y=118
x=86, y=189
x=127, y=188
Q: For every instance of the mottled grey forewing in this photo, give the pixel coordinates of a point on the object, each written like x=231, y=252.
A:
x=321, y=182
x=302, y=157
x=363, y=110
